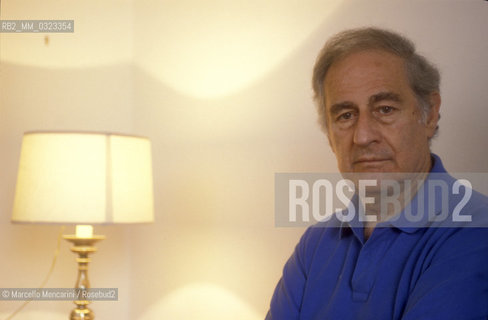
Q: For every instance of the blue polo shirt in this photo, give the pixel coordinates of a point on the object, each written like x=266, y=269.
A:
x=422, y=270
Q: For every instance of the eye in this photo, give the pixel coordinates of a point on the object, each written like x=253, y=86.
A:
x=386, y=109
x=345, y=116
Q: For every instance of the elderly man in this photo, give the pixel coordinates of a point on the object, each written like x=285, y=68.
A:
x=378, y=102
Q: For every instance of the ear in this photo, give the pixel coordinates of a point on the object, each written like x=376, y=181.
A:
x=433, y=116
x=325, y=126
x=330, y=142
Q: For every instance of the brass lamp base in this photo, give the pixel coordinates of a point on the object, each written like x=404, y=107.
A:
x=82, y=314
x=83, y=247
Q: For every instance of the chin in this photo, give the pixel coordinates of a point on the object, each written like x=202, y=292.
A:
x=375, y=172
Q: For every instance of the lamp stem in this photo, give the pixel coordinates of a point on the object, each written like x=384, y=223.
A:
x=83, y=247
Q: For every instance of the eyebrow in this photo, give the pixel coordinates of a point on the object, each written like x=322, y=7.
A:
x=336, y=108
x=382, y=96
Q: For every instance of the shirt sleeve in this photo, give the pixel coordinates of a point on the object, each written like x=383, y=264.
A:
x=287, y=298
x=455, y=284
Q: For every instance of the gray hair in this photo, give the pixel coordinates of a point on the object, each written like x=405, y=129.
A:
x=422, y=75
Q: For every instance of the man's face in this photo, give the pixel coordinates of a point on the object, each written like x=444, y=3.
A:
x=374, y=122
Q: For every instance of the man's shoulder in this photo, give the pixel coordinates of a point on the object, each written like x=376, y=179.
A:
x=316, y=239
x=469, y=209
x=456, y=199
x=478, y=201
x=331, y=223
x=326, y=230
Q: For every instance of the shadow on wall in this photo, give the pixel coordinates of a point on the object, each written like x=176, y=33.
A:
x=212, y=49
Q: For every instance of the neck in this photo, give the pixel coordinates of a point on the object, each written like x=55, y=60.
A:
x=389, y=199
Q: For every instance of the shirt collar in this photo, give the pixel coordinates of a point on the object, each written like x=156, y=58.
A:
x=437, y=166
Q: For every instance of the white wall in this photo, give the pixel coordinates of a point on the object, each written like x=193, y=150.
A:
x=77, y=81
x=223, y=91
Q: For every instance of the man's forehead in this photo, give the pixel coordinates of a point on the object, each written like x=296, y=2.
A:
x=373, y=58
x=377, y=72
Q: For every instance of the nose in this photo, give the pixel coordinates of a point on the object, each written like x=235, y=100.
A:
x=366, y=130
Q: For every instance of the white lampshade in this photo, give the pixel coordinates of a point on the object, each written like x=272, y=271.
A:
x=84, y=178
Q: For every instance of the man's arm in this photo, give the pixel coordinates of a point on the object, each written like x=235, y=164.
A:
x=287, y=298
x=455, y=284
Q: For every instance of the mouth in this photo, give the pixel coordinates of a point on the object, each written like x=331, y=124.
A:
x=370, y=164
x=369, y=161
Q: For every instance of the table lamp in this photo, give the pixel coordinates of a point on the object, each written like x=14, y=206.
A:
x=83, y=178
